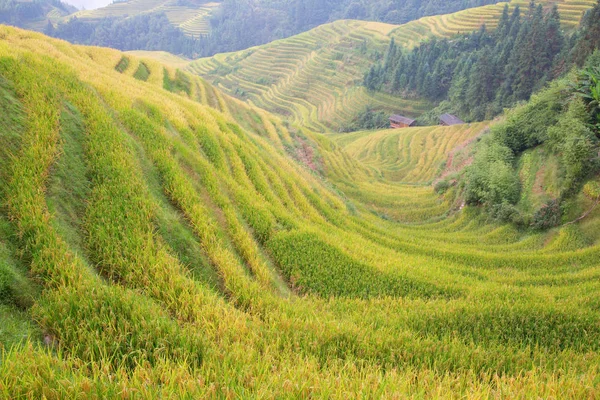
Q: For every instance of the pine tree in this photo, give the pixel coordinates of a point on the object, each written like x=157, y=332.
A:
x=397, y=83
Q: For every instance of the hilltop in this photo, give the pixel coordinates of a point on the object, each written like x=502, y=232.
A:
x=160, y=239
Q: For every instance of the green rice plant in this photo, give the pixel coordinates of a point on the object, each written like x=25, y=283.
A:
x=142, y=72
x=122, y=65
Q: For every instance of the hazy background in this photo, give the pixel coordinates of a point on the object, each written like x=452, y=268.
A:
x=88, y=4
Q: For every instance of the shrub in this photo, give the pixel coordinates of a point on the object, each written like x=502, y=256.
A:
x=492, y=179
x=575, y=142
x=506, y=212
x=548, y=216
x=442, y=186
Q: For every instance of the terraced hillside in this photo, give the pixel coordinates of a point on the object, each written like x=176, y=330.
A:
x=391, y=172
x=471, y=19
x=33, y=15
x=157, y=241
x=192, y=17
x=315, y=78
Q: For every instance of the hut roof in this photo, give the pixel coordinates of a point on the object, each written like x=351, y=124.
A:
x=399, y=119
x=450, y=119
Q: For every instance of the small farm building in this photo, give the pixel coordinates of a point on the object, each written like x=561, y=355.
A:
x=398, y=121
x=449, y=119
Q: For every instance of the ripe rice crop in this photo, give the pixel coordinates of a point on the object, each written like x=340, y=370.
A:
x=171, y=247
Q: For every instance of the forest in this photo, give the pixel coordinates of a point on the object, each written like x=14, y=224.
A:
x=478, y=75
x=142, y=32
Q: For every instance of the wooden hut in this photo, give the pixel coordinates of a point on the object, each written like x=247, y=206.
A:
x=449, y=119
x=398, y=121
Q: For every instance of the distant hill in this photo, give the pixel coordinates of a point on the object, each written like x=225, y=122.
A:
x=34, y=14
x=217, y=26
x=316, y=77
x=191, y=16
x=313, y=78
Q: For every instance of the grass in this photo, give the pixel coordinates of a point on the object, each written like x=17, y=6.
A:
x=174, y=249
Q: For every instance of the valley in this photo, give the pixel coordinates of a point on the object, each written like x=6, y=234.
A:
x=215, y=228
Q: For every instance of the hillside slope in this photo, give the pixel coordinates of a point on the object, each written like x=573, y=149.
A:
x=157, y=241
x=315, y=78
x=471, y=19
x=191, y=16
x=35, y=14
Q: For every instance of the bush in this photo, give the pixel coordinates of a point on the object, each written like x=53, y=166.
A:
x=492, y=179
x=548, y=216
x=506, y=212
x=442, y=187
x=575, y=143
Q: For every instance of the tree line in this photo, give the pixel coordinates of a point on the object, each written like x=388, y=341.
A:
x=142, y=32
x=479, y=74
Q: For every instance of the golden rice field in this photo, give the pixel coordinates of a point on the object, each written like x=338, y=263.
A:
x=192, y=18
x=163, y=243
x=313, y=78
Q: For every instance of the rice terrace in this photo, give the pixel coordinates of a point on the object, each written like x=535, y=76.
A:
x=247, y=224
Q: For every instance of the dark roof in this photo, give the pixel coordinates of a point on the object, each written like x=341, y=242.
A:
x=450, y=119
x=399, y=119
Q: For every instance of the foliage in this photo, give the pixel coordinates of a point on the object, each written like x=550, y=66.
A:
x=588, y=87
x=491, y=178
x=143, y=32
x=555, y=118
x=442, y=186
x=587, y=38
x=506, y=212
x=548, y=216
x=368, y=119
